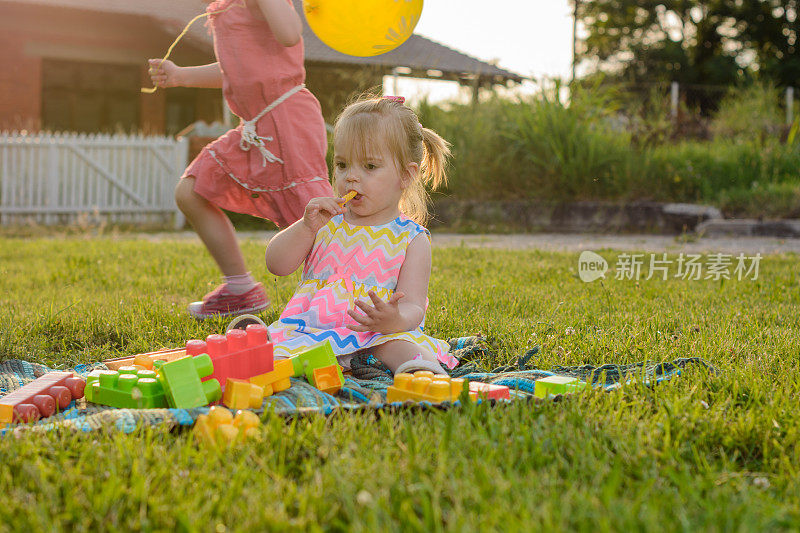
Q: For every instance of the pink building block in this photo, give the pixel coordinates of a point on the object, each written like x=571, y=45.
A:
x=40, y=398
x=239, y=354
x=489, y=391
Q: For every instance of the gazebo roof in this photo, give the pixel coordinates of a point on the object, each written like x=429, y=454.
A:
x=418, y=53
x=422, y=56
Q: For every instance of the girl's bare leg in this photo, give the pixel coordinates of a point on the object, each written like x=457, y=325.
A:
x=395, y=353
x=213, y=226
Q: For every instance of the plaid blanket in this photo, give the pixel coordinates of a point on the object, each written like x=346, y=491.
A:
x=364, y=389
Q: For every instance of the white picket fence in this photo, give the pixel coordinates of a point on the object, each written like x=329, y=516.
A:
x=64, y=178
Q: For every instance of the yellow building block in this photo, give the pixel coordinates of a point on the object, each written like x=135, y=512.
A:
x=425, y=386
x=242, y=394
x=219, y=428
x=277, y=380
x=328, y=379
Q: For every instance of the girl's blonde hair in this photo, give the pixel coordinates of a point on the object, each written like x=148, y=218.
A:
x=373, y=121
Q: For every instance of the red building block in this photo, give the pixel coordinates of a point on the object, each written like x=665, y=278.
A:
x=41, y=398
x=239, y=354
x=488, y=391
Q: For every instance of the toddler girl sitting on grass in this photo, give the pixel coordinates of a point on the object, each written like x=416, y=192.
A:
x=367, y=261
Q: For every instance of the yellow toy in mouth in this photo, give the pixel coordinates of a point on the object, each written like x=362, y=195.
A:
x=349, y=196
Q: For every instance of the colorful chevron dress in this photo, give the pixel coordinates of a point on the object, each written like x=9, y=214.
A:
x=345, y=262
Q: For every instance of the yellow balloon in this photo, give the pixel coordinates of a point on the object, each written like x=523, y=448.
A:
x=363, y=27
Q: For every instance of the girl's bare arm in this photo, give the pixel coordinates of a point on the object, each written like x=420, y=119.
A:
x=283, y=20
x=288, y=249
x=165, y=73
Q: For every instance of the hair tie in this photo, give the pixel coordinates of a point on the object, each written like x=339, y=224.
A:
x=398, y=99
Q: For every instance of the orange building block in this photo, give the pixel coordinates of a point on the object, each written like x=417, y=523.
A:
x=241, y=394
x=145, y=360
x=219, y=428
x=277, y=380
x=328, y=379
x=425, y=386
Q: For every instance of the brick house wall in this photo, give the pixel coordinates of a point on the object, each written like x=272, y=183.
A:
x=34, y=38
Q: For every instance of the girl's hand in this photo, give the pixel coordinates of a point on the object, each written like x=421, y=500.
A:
x=164, y=74
x=381, y=317
x=320, y=210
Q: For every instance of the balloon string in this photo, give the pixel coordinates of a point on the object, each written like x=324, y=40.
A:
x=151, y=90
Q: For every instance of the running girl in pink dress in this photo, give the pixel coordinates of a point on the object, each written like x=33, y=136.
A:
x=273, y=162
x=367, y=262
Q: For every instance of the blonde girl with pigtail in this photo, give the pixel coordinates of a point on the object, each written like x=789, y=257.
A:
x=366, y=257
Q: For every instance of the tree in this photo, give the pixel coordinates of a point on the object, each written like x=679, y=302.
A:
x=715, y=42
x=770, y=29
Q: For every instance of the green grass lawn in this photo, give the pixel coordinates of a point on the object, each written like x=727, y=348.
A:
x=702, y=452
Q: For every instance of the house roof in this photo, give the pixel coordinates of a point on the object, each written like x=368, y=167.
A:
x=418, y=53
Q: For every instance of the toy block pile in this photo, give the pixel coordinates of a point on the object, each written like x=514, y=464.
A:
x=242, y=361
x=237, y=368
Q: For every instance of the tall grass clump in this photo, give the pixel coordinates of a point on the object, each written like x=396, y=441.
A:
x=723, y=169
x=749, y=113
x=536, y=147
x=581, y=150
x=482, y=166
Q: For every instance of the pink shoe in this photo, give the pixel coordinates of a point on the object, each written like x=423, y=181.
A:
x=221, y=302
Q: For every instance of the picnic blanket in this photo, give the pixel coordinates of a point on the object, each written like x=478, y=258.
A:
x=365, y=388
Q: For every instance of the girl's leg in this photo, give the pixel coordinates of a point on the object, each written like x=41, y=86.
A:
x=240, y=293
x=395, y=353
x=212, y=226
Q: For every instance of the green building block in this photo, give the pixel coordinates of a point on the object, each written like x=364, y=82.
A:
x=92, y=378
x=317, y=357
x=557, y=385
x=128, y=388
x=182, y=381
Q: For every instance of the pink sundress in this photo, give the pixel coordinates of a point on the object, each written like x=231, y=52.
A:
x=256, y=71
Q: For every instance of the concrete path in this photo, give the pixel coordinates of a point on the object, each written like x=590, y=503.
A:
x=569, y=242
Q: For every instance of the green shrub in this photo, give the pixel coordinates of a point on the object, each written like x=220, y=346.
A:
x=481, y=164
x=772, y=200
x=538, y=148
x=749, y=113
x=693, y=171
x=572, y=152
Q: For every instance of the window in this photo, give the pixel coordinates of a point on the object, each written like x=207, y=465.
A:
x=90, y=97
